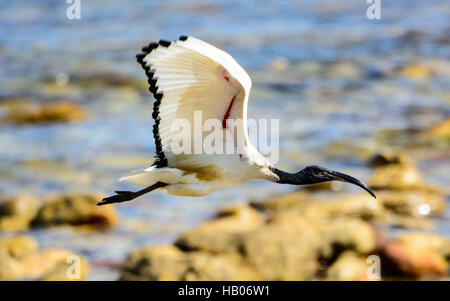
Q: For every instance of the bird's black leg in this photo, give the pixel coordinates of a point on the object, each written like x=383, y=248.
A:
x=124, y=196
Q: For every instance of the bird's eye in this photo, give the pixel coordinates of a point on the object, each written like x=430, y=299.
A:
x=317, y=172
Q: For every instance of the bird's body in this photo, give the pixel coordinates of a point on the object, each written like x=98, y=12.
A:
x=214, y=173
x=190, y=77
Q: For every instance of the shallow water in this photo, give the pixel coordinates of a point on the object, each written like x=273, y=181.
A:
x=318, y=101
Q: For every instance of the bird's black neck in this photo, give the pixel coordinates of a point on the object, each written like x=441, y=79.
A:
x=285, y=177
x=297, y=178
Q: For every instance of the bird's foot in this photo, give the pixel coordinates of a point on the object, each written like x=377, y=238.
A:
x=121, y=196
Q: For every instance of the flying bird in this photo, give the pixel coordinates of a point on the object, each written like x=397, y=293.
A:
x=187, y=76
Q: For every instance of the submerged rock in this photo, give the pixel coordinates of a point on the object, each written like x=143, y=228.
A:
x=204, y=266
x=402, y=191
x=168, y=263
x=359, y=206
x=279, y=64
x=64, y=270
x=440, y=130
x=18, y=246
x=413, y=203
x=283, y=249
x=346, y=150
x=10, y=268
x=295, y=201
x=36, y=264
x=32, y=113
x=224, y=234
x=20, y=259
x=409, y=222
x=75, y=209
x=422, y=240
x=396, y=171
x=343, y=70
x=348, y=267
x=396, y=176
x=347, y=234
x=256, y=251
x=17, y=213
x=295, y=237
x=416, y=71
x=108, y=79
x=390, y=157
x=155, y=263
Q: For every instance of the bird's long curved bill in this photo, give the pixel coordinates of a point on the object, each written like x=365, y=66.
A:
x=339, y=176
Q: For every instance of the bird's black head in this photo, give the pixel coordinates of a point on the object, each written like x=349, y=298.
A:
x=316, y=174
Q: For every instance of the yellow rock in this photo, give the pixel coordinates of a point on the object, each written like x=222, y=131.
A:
x=362, y=205
x=76, y=209
x=73, y=268
x=168, y=263
x=395, y=170
x=36, y=264
x=18, y=246
x=283, y=249
x=279, y=64
x=296, y=201
x=390, y=156
x=33, y=112
x=243, y=213
x=348, y=267
x=10, y=268
x=416, y=71
x=20, y=259
x=155, y=263
x=423, y=240
x=350, y=234
x=404, y=221
x=414, y=203
x=441, y=130
x=396, y=176
x=344, y=69
x=17, y=213
x=211, y=267
x=224, y=234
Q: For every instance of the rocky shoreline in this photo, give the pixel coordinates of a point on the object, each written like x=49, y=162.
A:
x=299, y=236
x=303, y=237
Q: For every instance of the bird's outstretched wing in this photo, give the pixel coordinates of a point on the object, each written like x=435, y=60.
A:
x=188, y=76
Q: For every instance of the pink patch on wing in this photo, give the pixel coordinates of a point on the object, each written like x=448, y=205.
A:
x=225, y=76
x=227, y=114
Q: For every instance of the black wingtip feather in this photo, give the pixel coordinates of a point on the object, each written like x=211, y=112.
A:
x=150, y=47
x=161, y=160
x=164, y=43
x=158, y=96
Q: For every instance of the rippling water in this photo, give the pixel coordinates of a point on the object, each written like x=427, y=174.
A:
x=318, y=101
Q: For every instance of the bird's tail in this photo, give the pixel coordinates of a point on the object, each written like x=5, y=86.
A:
x=153, y=175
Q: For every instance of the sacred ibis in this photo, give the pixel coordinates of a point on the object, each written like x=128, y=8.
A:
x=191, y=75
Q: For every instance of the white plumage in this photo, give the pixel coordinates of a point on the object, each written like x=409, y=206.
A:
x=193, y=75
x=189, y=76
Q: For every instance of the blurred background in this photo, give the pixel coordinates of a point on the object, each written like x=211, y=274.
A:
x=367, y=97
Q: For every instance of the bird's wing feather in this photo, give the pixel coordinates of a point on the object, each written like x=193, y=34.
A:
x=191, y=75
